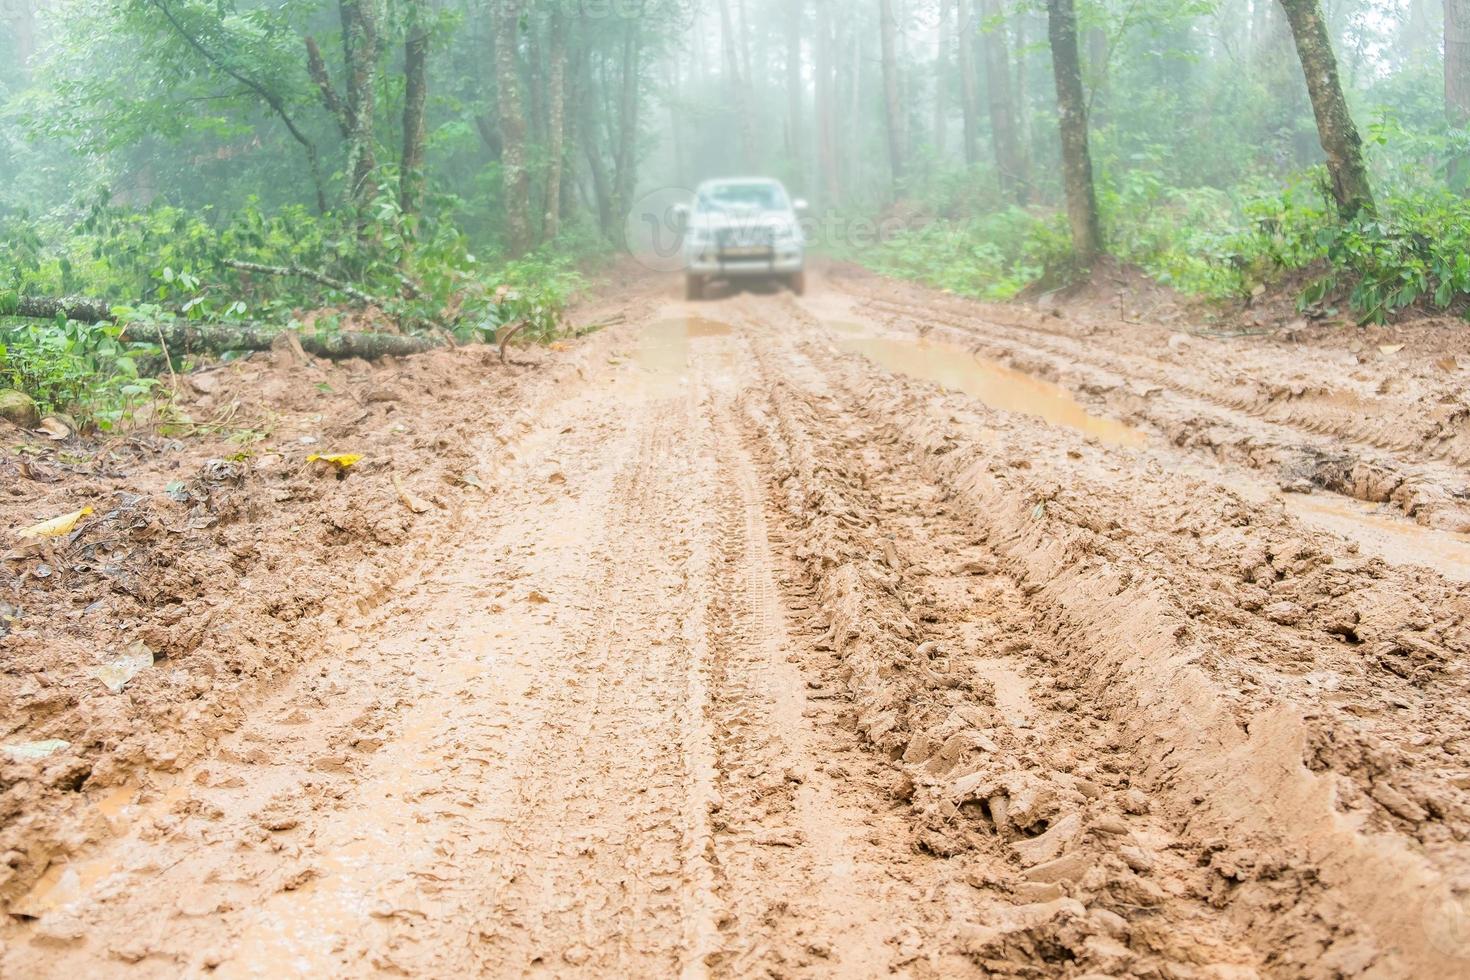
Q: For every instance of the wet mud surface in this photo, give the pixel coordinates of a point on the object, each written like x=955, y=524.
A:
x=871, y=633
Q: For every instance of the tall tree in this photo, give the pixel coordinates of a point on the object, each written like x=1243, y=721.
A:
x=1457, y=62
x=1335, y=128
x=360, y=48
x=969, y=84
x=740, y=94
x=892, y=105
x=795, y=85
x=515, y=169
x=825, y=66
x=1082, y=211
x=941, y=79
x=1002, y=107
x=556, y=98
x=415, y=98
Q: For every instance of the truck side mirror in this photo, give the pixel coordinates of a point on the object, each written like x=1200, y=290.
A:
x=681, y=217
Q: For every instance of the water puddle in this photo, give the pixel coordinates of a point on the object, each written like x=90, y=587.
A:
x=998, y=386
x=1394, y=539
x=665, y=344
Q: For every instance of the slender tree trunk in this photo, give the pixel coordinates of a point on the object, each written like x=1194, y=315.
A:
x=625, y=173
x=1335, y=128
x=893, y=107
x=1082, y=211
x=826, y=103
x=1457, y=62
x=969, y=84
x=516, y=174
x=415, y=97
x=556, y=97
x=795, y=86
x=1002, y=109
x=941, y=80
x=592, y=149
x=1022, y=98
x=739, y=92
x=360, y=47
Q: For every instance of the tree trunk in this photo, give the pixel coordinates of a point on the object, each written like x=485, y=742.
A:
x=826, y=104
x=739, y=92
x=1457, y=62
x=556, y=85
x=795, y=86
x=941, y=80
x=516, y=174
x=415, y=96
x=1002, y=109
x=969, y=84
x=630, y=102
x=360, y=48
x=185, y=337
x=1335, y=128
x=893, y=108
x=1072, y=117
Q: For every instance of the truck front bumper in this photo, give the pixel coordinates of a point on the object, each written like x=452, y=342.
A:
x=784, y=261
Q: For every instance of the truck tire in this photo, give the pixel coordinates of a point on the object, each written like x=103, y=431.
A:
x=693, y=287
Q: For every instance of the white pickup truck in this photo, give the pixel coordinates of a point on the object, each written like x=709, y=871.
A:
x=744, y=228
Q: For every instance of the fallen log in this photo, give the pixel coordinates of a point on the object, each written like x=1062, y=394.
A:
x=183, y=337
x=79, y=308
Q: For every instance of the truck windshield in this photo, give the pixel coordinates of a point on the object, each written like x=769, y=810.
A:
x=743, y=197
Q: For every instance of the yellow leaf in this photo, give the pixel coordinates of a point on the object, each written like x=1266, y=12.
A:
x=340, y=460
x=55, y=527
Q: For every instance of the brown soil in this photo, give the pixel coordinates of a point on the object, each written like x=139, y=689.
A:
x=875, y=632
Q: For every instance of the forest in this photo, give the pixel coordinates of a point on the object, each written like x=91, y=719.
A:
x=460, y=166
x=924, y=489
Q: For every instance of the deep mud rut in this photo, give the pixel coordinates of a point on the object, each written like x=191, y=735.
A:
x=761, y=659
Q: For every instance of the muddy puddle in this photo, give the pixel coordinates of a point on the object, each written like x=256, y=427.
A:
x=665, y=345
x=1394, y=539
x=1000, y=387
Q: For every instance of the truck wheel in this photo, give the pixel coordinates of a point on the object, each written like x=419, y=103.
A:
x=693, y=287
x=797, y=282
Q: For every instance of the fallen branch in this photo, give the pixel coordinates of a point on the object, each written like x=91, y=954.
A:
x=296, y=271
x=505, y=341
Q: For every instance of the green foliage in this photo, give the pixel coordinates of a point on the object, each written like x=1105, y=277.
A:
x=93, y=372
x=994, y=256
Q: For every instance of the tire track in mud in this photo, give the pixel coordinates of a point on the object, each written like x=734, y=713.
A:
x=1007, y=785
x=1267, y=426
x=1245, y=714
x=817, y=873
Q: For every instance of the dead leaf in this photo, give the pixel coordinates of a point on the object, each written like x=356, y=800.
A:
x=472, y=479
x=1449, y=365
x=54, y=528
x=537, y=598
x=55, y=429
x=1390, y=349
x=416, y=504
x=115, y=674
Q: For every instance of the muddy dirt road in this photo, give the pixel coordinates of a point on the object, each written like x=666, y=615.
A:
x=872, y=633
